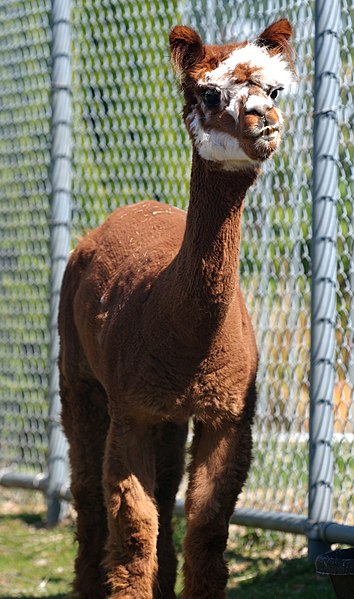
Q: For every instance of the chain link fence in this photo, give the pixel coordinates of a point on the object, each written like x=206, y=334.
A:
x=129, y=144
x=24, y=233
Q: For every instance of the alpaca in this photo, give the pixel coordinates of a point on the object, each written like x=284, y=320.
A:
x=154, y=331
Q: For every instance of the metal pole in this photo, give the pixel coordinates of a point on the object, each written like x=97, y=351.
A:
x=324, y=256
x=210, y=22
x=60, y=234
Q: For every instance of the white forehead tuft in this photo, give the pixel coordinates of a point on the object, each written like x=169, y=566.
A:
x=271, y=71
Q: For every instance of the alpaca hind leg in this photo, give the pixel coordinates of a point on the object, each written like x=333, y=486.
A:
x=220, y=462
x=85, y=421
x=129, y=481
x=169, y=441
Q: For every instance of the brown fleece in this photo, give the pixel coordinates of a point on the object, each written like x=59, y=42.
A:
x=154, y=331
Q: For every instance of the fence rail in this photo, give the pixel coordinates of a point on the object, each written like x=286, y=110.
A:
x=90, y=119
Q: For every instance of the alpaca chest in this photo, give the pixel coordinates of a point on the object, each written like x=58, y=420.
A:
x=165, y=389
x=171, y=379
x=226, y=392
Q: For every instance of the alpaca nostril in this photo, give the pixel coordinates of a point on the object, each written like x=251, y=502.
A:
x=271, y=118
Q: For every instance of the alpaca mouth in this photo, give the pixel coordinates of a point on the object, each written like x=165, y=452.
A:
x=269, y=133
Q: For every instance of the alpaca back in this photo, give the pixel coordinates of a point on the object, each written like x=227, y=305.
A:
x=112, y=264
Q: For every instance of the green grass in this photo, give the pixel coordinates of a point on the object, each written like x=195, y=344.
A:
x=36, y=561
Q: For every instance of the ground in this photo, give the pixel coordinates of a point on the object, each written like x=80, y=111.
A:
x=36, y=561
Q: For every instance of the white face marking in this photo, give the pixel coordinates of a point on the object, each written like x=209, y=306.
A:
x=258, y=103
x=268, y=72
x=271, y=71
x=216, y=145
x=239, y=93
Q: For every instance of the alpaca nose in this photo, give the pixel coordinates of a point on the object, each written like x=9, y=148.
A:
x=258, y=105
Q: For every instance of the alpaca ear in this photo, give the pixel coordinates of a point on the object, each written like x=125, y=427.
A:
x=187, y=48
x=276, y=39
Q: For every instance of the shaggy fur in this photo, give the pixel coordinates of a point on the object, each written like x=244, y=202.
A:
x=154, y=330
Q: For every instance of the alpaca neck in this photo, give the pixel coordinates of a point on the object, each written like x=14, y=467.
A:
x=208, y=261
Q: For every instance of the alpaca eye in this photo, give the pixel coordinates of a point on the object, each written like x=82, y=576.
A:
x=211, y=98
x=274, y=92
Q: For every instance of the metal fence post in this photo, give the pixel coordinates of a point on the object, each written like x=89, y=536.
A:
x=60, y=234
x=324, y=257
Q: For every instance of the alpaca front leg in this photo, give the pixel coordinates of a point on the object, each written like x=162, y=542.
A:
x=129, y=479
x=169, y=439
x=220, y=463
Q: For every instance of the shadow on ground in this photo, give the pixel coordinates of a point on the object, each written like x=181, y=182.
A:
x=294, y=578
x=31, y=519
x=34, y=596
x=35, y=521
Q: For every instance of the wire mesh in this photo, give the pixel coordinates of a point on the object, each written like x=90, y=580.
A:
x=24, y=169
x=129, y=145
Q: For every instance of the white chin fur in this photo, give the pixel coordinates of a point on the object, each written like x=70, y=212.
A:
x=217, y=146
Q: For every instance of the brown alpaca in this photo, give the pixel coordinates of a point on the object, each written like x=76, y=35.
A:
x=154, y=330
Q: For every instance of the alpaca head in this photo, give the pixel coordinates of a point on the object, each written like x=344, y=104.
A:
x=231, y=93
